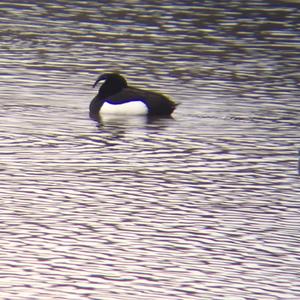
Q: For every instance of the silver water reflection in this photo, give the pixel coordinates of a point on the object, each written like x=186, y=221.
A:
x=199, y=206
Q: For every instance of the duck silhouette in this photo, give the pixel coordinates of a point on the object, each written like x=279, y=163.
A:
x=116, y=97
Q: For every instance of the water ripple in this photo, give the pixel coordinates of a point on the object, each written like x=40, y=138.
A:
x=203, y=205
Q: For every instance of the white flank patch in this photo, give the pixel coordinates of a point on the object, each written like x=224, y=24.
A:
x=128, y=108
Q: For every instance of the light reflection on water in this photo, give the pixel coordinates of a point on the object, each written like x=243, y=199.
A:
x=199, y=206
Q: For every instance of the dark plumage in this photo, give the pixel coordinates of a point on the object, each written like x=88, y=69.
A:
x=115, y=91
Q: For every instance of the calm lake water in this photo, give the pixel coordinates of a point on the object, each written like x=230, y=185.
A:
x=204, y=205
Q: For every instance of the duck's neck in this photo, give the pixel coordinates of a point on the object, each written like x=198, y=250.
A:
x=95, y=105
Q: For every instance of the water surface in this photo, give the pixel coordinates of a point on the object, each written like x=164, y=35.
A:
x=203, y=205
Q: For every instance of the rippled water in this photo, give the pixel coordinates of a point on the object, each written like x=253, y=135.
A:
x=203, y=205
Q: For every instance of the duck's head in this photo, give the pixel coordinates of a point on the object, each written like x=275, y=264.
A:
x=113, y=83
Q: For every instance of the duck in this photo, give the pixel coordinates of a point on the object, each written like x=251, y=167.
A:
x=116, y=97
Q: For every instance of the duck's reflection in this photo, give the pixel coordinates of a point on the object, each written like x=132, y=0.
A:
x=131, y=121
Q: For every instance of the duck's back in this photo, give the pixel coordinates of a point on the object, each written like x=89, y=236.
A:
x=156, y=103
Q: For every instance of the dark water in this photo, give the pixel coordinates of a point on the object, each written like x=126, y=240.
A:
x=201, y=206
